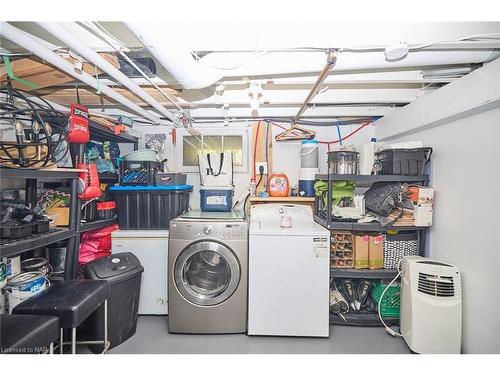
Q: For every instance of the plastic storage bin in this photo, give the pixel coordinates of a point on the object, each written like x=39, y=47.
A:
x=89, y=211
x=150, y=207
x=123, y=271
x=218, y=199
x=390, y=304
x=396, y=246
x=139, y=173
x=170, y=179
x=404, y=161
x=106, y=210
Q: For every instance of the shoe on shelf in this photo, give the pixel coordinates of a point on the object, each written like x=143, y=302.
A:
x=338, y=304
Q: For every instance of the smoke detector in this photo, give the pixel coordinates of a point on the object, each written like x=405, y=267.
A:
x=396, y=51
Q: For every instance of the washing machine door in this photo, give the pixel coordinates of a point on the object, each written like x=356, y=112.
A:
x=206, y=273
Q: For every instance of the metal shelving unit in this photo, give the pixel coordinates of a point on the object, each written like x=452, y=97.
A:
x=108, y=177
x=15, y=247
x=72, y=233
x=22, y=173
x=352, y=273
x=361, y=319
x=102, y=133
x=85, y=227
x=363, y=227
x=372, y=178
x=323, y=216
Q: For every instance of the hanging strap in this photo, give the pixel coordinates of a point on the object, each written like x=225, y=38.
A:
x=77, y=94
x=98, y=88
x=220, y=165
x=12, y=76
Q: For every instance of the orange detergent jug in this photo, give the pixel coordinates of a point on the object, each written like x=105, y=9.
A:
x=278, y=185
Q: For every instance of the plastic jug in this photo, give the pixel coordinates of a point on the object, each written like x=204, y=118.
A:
x=278, y=185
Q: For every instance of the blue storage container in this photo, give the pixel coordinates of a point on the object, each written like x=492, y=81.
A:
x=150, y=207
x=306, y=188
x=216, y=199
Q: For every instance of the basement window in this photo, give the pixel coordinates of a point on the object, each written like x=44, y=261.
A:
x=211, y=142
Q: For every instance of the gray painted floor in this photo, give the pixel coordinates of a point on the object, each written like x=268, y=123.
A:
x=152, y=337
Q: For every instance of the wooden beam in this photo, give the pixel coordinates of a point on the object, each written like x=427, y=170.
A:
x=89, y=97
x=36, y=71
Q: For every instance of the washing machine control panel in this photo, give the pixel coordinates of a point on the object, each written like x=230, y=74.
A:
x=223, y=231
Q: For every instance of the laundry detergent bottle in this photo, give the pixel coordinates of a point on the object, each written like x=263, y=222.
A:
x=278, y=185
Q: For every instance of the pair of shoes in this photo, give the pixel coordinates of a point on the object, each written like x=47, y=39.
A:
x=338, y=304
x=362, y=291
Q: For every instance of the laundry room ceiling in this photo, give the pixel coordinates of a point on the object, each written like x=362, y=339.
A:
x=248, y=70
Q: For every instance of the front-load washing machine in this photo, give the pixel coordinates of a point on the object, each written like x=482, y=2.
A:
x=207, y=280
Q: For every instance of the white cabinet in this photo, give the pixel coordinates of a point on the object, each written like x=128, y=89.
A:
x=151, y=248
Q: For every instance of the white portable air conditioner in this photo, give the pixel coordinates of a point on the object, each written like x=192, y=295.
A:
x=431, y=306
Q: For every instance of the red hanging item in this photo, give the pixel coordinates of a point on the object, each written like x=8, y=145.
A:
x=89, y=181
x=79, y=124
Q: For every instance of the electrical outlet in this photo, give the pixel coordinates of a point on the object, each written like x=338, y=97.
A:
x=257, y=167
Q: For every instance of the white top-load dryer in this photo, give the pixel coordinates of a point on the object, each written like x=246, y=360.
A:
x=288, y=273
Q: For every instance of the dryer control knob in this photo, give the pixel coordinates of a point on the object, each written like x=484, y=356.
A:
x=207, y=230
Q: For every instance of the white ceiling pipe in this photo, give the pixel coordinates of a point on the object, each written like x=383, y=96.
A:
x=178, y=61
x=172, y=54
x=88, y=53
x=25, y=40
x=279, y=63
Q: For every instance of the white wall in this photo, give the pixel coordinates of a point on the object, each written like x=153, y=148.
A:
x=466, y=175
x=285, y=155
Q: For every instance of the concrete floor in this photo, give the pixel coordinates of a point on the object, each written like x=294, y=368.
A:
x=152, y=337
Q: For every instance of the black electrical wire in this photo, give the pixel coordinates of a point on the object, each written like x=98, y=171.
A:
x=33, y=111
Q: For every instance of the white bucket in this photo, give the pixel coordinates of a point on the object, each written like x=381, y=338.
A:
x=3, y=275
x=309, y=154
x=24, y=286
x=308, y=173
x=2, y=301
x=12, y=266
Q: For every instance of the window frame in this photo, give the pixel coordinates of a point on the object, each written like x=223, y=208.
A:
x=221, y=131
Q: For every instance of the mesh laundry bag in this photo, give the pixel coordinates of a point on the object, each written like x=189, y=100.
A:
x=397, y=246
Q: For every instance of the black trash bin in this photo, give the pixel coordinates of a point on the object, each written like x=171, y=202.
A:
x=123, y=271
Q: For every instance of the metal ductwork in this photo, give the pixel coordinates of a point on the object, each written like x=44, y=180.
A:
x=175, y=57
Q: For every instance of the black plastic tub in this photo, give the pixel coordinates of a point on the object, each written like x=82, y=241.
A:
x=89, y=211
x=150, y=207
x=123, y=271
x=404, y=161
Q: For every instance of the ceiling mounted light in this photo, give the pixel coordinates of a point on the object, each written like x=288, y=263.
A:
x=396, y=51
x=255, y=93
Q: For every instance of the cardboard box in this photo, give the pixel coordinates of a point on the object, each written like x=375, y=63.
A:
x=361, y=244
x=422, y=215
x=376, y=252
x=421, y=195
x=59, y=216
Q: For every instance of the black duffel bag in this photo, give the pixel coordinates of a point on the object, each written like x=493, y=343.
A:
x=383, y=197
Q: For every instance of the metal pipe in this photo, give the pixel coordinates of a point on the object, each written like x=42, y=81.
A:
x=73, y=340
x=330, y=61
x=88, y=53
x=26, y=41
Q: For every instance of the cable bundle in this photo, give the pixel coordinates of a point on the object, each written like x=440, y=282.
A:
x=48, y=130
